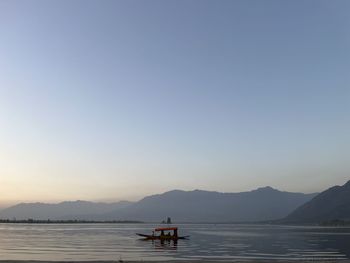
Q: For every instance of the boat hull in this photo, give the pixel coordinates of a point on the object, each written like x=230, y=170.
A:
x=151, y=237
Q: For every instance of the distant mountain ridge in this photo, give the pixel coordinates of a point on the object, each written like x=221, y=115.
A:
x=205, y=206
x=332, y=204
x=182, y=206
x=61, y=211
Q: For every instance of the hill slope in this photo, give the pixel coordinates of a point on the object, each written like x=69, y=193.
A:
x=331, y=204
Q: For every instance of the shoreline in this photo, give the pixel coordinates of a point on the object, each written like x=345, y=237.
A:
x=181, y=261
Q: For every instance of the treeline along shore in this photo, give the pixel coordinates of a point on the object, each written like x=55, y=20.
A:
x=49, y=221
x=336, y=222
x=179, y=261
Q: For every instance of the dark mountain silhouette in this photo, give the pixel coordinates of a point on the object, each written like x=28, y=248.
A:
x=204, y=206
x=332, y=204
x=61, y=211
x=182, y=206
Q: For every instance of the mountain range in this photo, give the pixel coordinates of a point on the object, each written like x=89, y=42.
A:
x=61, y=211
x=182, y=206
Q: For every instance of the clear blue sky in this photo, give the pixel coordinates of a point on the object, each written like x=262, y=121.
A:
x=109, y=100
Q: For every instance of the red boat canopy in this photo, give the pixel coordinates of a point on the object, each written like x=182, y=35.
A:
x=165, y=228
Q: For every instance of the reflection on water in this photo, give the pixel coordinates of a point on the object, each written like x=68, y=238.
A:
x=207, y=241
x=164, y=244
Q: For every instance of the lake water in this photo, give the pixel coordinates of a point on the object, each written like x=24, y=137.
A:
x=207, y=241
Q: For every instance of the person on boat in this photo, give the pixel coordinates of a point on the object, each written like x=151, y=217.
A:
x=175, y=233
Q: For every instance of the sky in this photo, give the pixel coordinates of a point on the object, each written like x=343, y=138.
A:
x=114, y=100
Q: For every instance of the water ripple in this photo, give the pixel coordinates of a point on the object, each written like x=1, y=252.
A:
x=212, y=242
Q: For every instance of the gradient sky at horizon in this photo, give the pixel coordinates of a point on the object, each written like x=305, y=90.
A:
x=111, y=100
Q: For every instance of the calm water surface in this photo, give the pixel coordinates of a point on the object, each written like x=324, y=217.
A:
x=207, y=241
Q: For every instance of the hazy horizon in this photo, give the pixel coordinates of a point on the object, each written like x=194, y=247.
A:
x=116, y=100
x=113, y=200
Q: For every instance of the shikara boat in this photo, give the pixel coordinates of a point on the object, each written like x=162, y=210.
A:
x=163, y=235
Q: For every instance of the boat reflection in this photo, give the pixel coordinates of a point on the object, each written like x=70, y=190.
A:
x=165, y=244
x=162, y=244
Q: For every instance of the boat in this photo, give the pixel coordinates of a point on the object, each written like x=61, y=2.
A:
x=163, y=235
